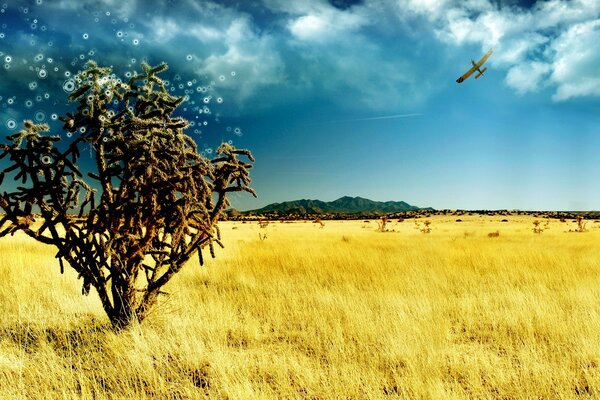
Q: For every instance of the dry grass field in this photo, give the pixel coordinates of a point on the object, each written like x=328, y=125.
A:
x=341, y=311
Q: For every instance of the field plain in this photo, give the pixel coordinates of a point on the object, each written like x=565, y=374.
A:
x=340, y=311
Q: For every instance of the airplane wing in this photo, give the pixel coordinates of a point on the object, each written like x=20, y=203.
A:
x=479, y=64
x=484, y=58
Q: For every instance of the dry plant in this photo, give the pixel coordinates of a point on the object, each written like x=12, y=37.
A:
x=536, y=227
x=494, y=234
x=580, y=224
x=159, y=199
x=320, y=222
x=425, y=228
x=382, y=223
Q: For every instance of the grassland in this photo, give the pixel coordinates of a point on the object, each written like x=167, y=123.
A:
x=341, y=311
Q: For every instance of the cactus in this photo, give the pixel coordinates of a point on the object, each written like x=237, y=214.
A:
x=156, y=202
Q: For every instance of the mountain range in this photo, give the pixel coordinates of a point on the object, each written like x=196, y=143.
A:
x=343, y=205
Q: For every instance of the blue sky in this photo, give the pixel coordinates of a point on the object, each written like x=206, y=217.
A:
x=347, y=97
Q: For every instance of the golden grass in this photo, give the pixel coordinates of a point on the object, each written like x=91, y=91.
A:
x=336, y=312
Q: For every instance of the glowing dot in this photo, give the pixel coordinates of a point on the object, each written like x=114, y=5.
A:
x=85, y=36
x=69, y=86
x=33, y=26
x=28, y=103
x=222, y=77
x=206, y=100
x=1, y=35
x=237, y=131
x=50, y=60
x=108, y=13
x=53, y=117
x=42, y=74
x=8, y=59
x=105, y=139
x=209, y=151
x=219, y=99
x=32, y=85
x=82, y=129
x=136, y=42
x=11, y=124
x=10, y=101
x=43, y=28
x=69, y=134
x=50, y=44
x=46, y=160
x=189, y=57
x=119, y=34
x=232, y=73
x=39, y=116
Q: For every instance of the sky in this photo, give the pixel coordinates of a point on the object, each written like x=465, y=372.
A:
x=345, y=97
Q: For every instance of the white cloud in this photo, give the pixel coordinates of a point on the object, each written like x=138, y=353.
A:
x=325, y=24
x=576, y=61
x=527, y=76
x=309, y=27
x=252, y=56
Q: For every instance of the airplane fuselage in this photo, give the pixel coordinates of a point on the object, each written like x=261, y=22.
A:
x=476, y=66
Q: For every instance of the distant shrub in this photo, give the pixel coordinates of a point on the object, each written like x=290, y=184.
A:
x=494, y=234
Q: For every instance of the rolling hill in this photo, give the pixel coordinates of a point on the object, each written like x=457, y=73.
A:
x=343, y=205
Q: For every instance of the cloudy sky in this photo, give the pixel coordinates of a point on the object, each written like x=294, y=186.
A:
x=347, y=97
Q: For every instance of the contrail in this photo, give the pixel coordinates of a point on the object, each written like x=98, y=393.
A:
x=395, y=116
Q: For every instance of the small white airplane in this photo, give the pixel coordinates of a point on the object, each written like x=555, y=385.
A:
x=476, y=67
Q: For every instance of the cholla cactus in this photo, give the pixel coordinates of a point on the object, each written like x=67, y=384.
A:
x=159, y=199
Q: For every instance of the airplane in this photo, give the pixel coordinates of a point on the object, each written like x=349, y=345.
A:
x=476, y=67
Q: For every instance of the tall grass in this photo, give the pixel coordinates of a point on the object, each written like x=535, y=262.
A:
x=342, y=311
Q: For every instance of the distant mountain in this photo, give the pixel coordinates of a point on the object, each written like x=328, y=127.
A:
x=343, y=205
